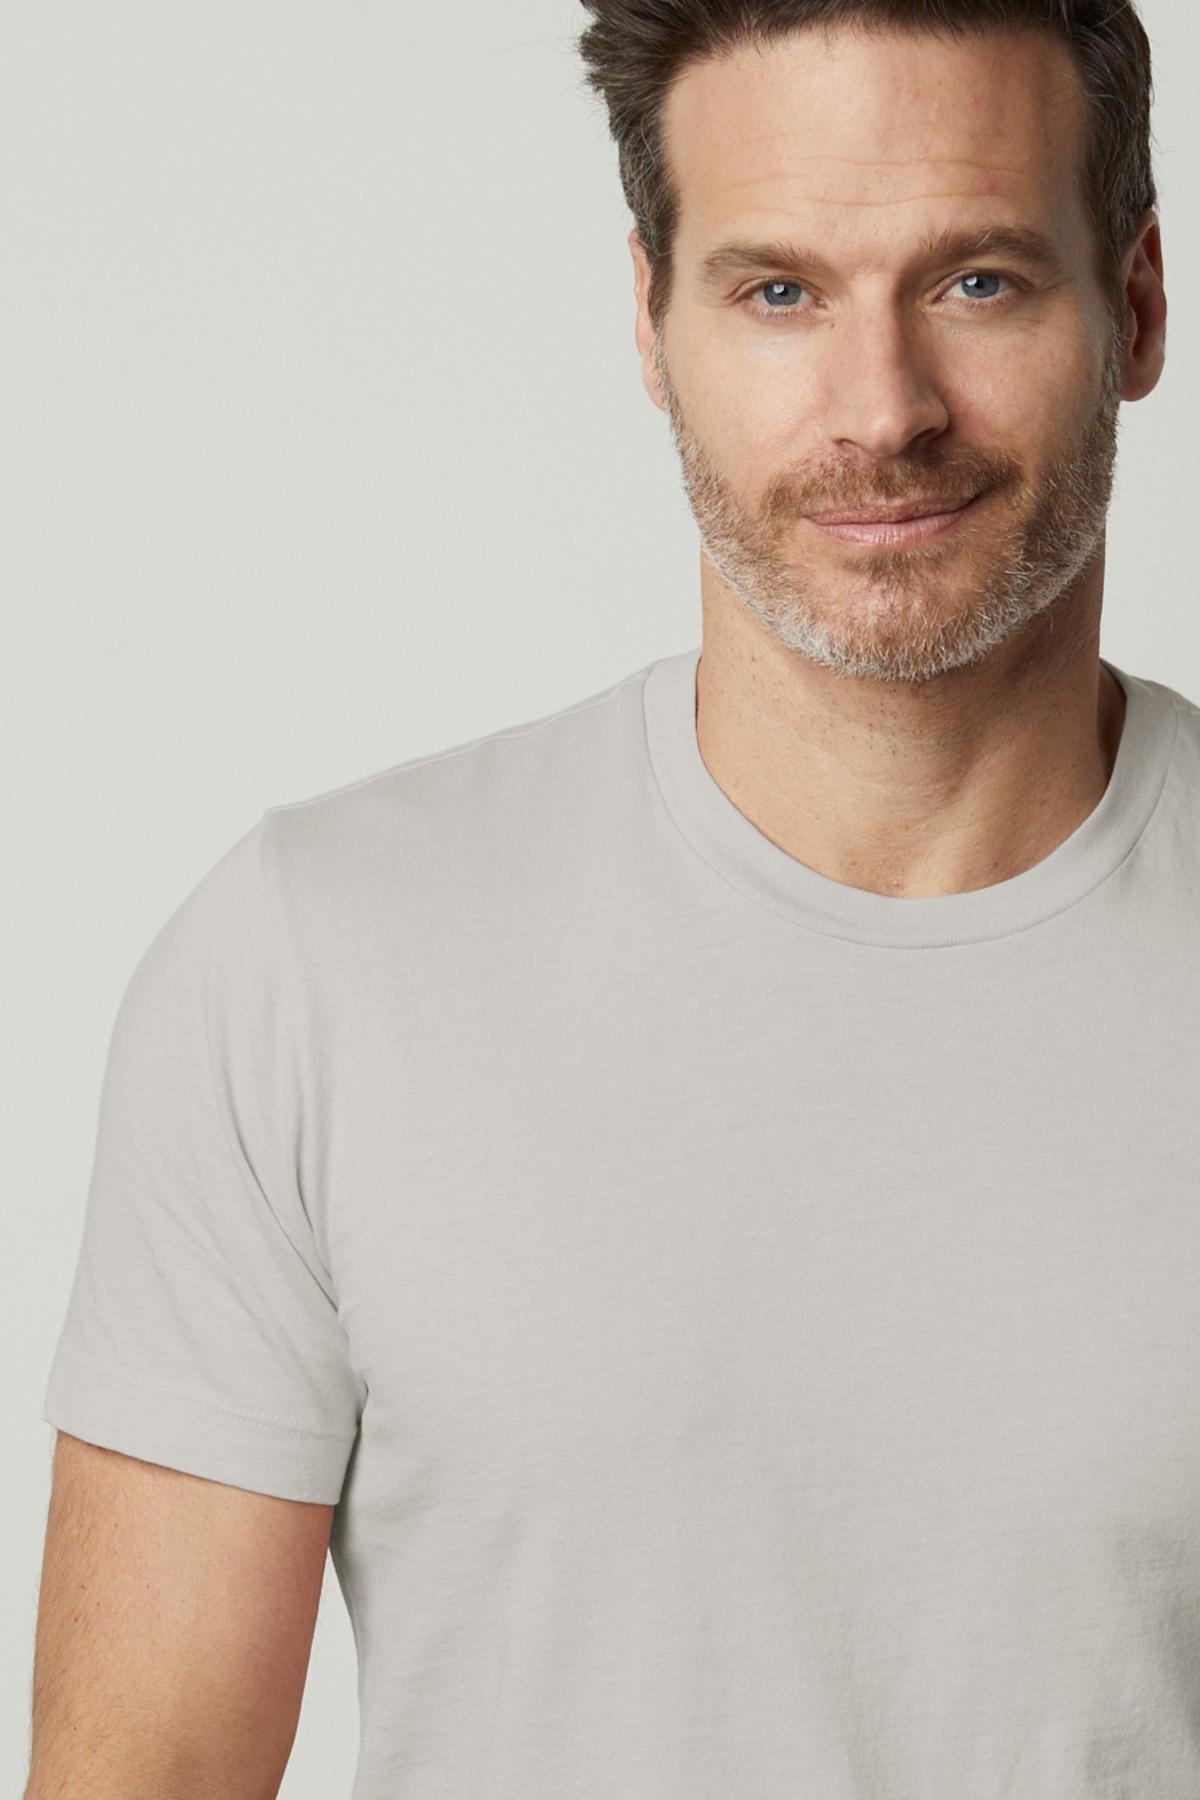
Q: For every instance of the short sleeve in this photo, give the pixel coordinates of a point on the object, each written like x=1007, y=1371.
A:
x=202, y=1328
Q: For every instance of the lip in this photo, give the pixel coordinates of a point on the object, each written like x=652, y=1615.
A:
x=922, y=523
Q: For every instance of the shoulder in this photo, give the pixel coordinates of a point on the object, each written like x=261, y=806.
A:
x=460, y=801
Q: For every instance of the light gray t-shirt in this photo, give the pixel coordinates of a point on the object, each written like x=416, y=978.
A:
x=750, y=1325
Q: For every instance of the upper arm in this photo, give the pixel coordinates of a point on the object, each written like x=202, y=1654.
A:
x=174, y=1629
x=202, y=1387
x=202, y=1329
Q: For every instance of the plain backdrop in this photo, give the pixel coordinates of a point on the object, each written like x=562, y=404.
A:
x=325, y=446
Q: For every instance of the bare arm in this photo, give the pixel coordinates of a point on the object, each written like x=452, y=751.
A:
x=175, y=1624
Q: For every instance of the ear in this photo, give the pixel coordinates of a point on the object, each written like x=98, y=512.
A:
x=644, y=331
x=1146, y=311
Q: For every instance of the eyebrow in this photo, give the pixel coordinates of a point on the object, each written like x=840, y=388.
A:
x=1022, y=242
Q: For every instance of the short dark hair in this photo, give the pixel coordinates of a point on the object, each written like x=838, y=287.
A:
x=634, y=50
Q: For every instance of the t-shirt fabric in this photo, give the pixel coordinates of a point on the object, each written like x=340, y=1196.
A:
x=749, y=1325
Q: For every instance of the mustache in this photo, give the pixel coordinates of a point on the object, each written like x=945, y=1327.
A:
x=799, y=496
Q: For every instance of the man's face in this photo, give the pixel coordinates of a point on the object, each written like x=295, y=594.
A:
x=867, y=371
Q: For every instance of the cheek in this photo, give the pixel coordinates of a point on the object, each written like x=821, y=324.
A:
x=759, y=421
x=1027, y=392
x=743, y=400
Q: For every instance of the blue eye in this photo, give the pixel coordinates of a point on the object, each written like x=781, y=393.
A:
x=778, y=289
x=981, y=275
x=782, y=297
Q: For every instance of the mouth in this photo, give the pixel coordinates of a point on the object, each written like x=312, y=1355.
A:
x=909, y=522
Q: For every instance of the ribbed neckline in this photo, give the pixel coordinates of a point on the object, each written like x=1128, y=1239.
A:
x=737, y=850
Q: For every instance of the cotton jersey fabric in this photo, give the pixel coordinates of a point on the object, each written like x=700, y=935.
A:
x=748, y=1325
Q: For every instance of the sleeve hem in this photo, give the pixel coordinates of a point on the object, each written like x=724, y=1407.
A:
x=179, y=1431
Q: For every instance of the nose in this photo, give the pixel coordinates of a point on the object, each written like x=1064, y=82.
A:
x=880, y=388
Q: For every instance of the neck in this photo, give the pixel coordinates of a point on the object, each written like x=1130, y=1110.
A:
x=909, y=789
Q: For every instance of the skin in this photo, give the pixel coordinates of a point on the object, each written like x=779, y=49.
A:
x=930, y=719
x=175, y=1623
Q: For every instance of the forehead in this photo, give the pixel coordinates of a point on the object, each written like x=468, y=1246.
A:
x=853, y=133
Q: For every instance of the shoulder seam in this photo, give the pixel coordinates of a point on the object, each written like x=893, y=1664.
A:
x=501, y=734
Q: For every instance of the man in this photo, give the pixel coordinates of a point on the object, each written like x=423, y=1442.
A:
x=694, y=1197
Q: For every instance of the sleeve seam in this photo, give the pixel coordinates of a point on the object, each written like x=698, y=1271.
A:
x=261, y=1194
x=281, y=940
x=264, y=1420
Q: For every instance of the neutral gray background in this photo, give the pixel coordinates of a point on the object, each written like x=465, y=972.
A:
x=324, y=446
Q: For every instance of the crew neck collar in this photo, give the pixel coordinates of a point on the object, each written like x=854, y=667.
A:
x=725, y=838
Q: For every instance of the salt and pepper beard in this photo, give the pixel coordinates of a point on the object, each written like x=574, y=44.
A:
x=1054, y=527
